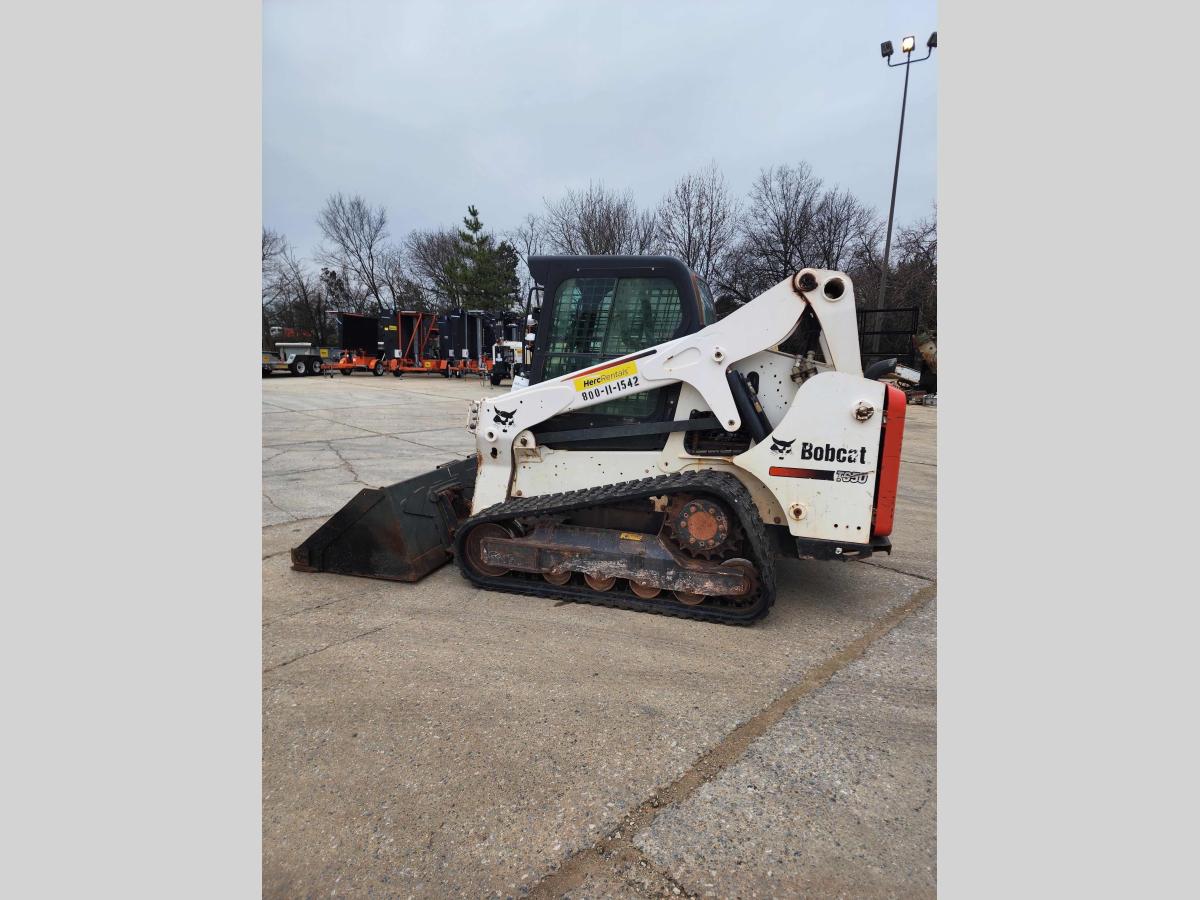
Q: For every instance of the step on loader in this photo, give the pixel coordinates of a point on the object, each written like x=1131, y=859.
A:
x=660, y=460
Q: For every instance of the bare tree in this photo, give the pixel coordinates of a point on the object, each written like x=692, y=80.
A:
x=777, y=235
x=528, y=239
x=297, y=299
x=403, y=290
x=273, y=244
x=778, y=231
x=430, y=259
x=698, y=221
x=598, y=221
x=356, y=233
x=915, y=279
x=839, y=225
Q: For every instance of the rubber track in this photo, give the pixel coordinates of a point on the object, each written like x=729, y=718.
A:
x=725, y=487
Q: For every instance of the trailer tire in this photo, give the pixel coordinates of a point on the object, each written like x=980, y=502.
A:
x=446, y=372
x=299, y=367
x=397, y=372
x=347, y=371
x=378, y=369
x=496, y=377
x=316, y=367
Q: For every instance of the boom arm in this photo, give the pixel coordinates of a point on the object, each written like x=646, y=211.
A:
x=700, y=359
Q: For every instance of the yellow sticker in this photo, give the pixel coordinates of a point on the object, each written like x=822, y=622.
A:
x=604, y=377
x=325, y=352
x=630, y=536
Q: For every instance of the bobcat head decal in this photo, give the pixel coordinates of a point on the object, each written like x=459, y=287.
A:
x=504, y=419
x=782, y=447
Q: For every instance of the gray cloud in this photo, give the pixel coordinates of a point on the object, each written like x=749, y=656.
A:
x=426, y=107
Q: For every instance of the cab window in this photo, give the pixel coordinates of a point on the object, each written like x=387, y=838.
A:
x=708, y=309
x=597, y=319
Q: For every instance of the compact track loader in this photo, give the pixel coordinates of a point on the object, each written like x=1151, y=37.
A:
x=660, y=459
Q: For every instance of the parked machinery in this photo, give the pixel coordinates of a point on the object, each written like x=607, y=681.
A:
x=362, y=345
x=512, y=350
x=464, y=337
x=660, y=459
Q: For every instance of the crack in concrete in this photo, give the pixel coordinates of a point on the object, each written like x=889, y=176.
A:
x=602, y=857
x=307, y=653
x=294, y=518
x=297, y=612
x=880, y=565
x=346, y=463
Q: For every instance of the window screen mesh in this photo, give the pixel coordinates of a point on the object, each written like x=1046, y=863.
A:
x=596, y=319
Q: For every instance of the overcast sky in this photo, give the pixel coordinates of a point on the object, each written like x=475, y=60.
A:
x=426, y=107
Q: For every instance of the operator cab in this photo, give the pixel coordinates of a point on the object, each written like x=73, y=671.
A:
x=598, y=308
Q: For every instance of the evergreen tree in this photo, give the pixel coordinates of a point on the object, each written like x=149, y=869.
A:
x=484, y=273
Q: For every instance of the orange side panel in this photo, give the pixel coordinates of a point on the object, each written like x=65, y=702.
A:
x=888, y=477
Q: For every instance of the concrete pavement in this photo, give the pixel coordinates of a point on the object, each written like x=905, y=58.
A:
x=436, y=740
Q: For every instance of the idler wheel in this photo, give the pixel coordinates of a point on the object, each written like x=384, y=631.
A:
x=751, y=573
x=560, y=579
x=688, y=599
x=474, y=548
x=596, y=583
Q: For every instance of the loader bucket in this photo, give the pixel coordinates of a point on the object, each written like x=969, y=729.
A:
x=401, y=532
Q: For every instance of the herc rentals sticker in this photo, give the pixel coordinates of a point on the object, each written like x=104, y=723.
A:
x=608, y=382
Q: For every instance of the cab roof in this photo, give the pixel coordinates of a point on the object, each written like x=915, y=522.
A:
x=552, y=269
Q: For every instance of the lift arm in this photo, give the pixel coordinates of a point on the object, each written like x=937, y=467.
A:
x=700, y=359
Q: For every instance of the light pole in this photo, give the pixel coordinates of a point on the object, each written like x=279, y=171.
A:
x=885, y=50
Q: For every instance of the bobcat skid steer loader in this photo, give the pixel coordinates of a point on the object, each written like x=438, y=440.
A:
x=660, y=459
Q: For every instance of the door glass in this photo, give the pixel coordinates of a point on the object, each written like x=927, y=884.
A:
x=597, y=319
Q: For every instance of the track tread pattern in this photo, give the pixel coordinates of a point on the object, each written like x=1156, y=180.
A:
x=727, y=487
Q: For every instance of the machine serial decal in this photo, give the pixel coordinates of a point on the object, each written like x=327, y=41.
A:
x=608, y=382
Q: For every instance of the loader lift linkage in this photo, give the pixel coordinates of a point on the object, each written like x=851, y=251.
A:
x=660, y=459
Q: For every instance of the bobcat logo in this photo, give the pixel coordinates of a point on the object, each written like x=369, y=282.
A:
x=504, y=419
x=782, y=447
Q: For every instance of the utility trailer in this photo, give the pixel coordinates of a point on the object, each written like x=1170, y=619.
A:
x=363, y=348
x=298, y=359
x=418, y=347
x=464, y=345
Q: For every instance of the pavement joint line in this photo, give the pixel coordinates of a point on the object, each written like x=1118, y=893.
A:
x=340, y=465
x=395, y=435
x=917, y=462
x=880, y=565
x=297, y=612
x=288, y=662
x=601, y=856
x=360, y=406
x=426, y=446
